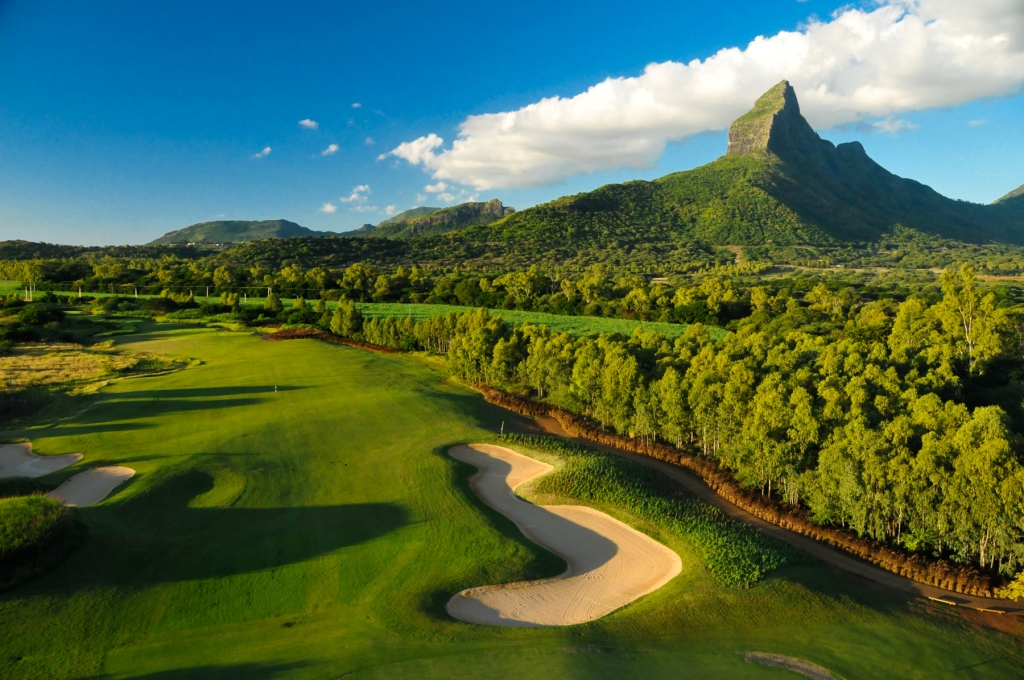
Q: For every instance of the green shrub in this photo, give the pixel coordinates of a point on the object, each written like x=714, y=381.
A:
x=736, y=554
x=36, y=533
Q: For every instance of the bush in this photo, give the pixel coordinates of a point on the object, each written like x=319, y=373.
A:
x=40, y=315
x=36, y=534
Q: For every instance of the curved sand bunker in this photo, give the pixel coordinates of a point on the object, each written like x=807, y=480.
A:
x=610, y=563
x=17, y=460
x=92, y=486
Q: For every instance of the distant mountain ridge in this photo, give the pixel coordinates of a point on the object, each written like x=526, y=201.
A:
x=236, y=231
x=779, y=183
x=429, y=221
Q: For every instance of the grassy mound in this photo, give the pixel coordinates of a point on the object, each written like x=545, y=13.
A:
x=36, y=534
x=736, y=554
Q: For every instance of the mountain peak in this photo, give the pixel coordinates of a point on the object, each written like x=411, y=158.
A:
x=774, y=124
x=1019, y=191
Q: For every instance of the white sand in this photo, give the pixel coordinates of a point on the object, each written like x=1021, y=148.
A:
x=92, y=486
x=17, y=460
x=610, y=563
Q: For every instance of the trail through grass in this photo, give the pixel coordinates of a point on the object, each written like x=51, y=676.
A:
x=316, y=531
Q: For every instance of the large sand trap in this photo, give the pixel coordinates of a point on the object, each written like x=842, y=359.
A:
x=92, y=486
x=17, y=460
x=610, y=564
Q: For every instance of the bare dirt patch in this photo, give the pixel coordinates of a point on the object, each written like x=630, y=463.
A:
x=610, y=563
x=792, y=664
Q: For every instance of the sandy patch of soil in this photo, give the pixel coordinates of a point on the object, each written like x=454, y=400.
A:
x=610, y=564
x=92, y=486
x=792, y=664
x=17, y=460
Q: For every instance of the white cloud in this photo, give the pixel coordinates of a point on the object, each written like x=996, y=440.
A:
x=903, y=55
x=435, y=188
x=390, y=210
x=420, y=198
x=358, y=194
x=357, y=105
x=364, y=208
x=262, y=154
x=893, y=126
x=977, y=123
x=309, y=124
x=447, y=198
x=369, y=141
x=330, y=150
x=328, y=208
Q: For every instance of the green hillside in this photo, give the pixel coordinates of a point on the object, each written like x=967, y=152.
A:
x=236, y=231
x=441, y=220
x=778, y=183
x=1016, y=193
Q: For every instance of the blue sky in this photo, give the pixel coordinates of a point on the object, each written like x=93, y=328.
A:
x=120, y=121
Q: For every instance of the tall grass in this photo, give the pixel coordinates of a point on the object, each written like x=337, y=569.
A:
x=736, y=554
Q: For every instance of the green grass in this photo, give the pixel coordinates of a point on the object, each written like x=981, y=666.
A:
x=573, y=325
x=735, y=553
x=8, y=287
x=317, y=531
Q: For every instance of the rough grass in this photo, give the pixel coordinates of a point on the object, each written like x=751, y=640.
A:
x=66, y=364
x=317, y=532
x=736, y=554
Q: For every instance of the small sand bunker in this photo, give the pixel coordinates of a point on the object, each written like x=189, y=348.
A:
x=92, y=486
x=610, y=563
x=792, y=664
x=17, y=460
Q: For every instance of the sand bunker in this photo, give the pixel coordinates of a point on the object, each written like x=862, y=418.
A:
x=17, y=460
x=792, y=664
x=610, y=563
x=92, y=486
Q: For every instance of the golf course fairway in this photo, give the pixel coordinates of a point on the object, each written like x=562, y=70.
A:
x=319, y=530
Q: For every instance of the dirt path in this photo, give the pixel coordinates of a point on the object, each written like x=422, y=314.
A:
x=92, y=486
x=825, y=553
x=17, y=460
x=791, y=664
x=610, y=563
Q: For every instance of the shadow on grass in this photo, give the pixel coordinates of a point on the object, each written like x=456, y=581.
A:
x=156, y=537
x=201, y=392
x=540, y=564
x=242, y=671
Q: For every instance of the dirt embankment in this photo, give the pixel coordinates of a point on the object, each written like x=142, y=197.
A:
x=938, y=573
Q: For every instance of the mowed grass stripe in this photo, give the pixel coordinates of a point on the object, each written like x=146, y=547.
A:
x=318, y=531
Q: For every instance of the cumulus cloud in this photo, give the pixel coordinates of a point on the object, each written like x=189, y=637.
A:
x=357, y=105
x=262, y=154
x=358, y=195
x=369, y=141
x=860, y=65
x=446, y=197
x=893, y=126
x=328, y=208
x=435, y=188
x=390, y=210
x=330, y=150
x=309, y=124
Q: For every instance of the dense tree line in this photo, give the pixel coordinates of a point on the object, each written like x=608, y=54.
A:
x=883, y=423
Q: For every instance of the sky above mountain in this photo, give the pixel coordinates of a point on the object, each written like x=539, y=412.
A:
x=120, y=121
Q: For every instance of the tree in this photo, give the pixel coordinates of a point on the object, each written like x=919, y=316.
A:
x=273, y=303
x=347, y=320
x=968, y=316
x=222, y=277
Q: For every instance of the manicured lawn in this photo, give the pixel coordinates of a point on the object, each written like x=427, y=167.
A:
x=8, y=287
x=317, y=532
